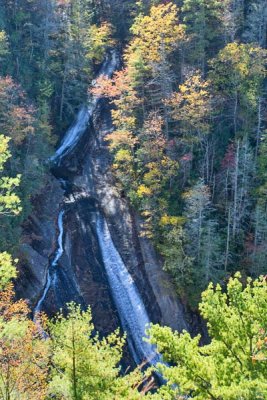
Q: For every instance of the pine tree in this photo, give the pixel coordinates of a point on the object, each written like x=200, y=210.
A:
x=256, y=23
x=202, y=22
x=84, y=364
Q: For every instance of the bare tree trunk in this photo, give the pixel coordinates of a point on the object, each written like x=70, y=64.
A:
x=199, y=234
x=235, y=113
x=258, y=135
x=8, y=397
x=208, y=250
x=236, y=189
x=62, y=94
x=256, y=233
x=74, y=375
x=227, y=240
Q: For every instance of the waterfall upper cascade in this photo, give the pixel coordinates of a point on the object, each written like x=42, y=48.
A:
x=76, y=131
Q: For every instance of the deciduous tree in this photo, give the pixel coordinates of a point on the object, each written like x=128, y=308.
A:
x=233, y=365
x=23, y=352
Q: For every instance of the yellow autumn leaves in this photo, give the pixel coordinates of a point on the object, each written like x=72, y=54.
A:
x=157, y=34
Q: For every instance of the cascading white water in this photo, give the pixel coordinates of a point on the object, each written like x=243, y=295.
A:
x=50, y=278
x=131, y=309
x=76, y=131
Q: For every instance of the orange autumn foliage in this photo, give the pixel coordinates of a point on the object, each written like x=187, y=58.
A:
x=23, y=352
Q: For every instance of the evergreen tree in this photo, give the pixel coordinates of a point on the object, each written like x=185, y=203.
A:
x=256, y=23
x=202, y=22
x=85, y=366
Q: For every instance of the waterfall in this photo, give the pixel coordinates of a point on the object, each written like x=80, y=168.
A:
x=51, y=273
x=77, y=130
x=131, y=309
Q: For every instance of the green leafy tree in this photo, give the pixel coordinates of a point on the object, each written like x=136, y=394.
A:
x=237, y=75
x=85, y=366
x=24, y=353
x=9, y=201
x=191, y=107
x=156, y=35
x=157, y=171
x=3, y=44
x=177, y=262
x=7, y=269
x=233, y=366
x=155, y=39
x=97, y=42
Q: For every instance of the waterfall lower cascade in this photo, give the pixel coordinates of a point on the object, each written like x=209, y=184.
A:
x=51, y=273
x=131, y=309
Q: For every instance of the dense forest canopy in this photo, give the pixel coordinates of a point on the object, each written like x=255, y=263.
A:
x=189, y=152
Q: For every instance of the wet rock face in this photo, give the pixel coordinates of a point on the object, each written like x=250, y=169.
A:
x=84, y=256
x=39, y=241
